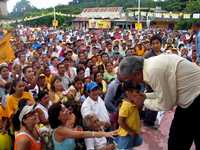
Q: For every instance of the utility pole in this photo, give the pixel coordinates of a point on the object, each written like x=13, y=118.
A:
x=54, y=13
x=138, y=11
x=55, y=22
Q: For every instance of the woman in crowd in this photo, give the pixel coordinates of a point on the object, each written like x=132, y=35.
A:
x=17, y=92
x=42, y=107
x=57, y=90
x=63, y=137
x=140, y=50
x=28, y=138
x=94, y=70
x=16, y=71
x=98, y=78
x=109, y=74
x=78, y=87
x=5, y=78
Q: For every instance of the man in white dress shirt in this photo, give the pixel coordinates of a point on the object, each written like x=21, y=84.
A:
x=95, y=105
x=175, y=82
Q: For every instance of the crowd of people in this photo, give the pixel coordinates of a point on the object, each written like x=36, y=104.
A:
x=64, y=91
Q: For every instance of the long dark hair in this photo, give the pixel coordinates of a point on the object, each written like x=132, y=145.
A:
x=100, y=84
x=53, y=81
x=54, y=112
x=13, y=85
x=15, y=119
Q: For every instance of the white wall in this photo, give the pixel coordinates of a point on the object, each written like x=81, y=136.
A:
x=3, y=8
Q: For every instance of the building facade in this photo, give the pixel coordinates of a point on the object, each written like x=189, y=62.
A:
x=3, y=8
x=102, y=18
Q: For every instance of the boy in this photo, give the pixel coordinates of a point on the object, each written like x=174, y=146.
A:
x=129, y=119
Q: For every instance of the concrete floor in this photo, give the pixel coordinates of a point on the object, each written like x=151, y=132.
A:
x=157, y=139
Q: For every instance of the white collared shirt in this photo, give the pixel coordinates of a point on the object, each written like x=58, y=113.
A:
x=98, y=107
x=95, y=143
x=174, y=80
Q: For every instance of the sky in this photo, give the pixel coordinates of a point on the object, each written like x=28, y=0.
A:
x=38, y=3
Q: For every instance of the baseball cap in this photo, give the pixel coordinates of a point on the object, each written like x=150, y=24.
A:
x=26, y=110
x=91, y=86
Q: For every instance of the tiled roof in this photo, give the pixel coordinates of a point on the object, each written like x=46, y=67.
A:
x=102, y=12
x=102, y=9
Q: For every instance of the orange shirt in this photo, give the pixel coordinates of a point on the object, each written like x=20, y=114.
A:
x=2, y=112
x=35, y=145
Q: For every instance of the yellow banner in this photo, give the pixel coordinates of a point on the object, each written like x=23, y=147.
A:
x=138, y=26
x=99, y=24
x=6, y=51
x=55, y=23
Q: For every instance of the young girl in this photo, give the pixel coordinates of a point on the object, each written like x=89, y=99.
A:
x=129, y=119
x=17, y=93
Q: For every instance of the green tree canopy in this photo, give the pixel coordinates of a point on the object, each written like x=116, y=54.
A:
x=21, y=8
x=193, y=6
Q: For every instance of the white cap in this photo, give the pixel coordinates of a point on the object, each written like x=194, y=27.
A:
x=26, y=110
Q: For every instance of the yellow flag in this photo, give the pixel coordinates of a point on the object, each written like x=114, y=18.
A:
x=55, y=23
x=138, y=26
x=6, y=51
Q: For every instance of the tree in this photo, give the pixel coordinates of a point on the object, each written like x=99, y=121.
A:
x=21, y=8
x=185, y=24
x=173, y=5
x=193, y=6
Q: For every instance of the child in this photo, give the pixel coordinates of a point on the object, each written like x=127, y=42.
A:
x=91, y=122
x=129, y=119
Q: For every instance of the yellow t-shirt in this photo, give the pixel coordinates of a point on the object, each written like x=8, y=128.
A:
x=48, y=79
x=5, y=141
x=140, y=52
x=12, y=102
x=3, y=112
x=131, y=113
x=104, y=90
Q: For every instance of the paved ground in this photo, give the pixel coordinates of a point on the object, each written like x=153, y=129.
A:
x=157, y=139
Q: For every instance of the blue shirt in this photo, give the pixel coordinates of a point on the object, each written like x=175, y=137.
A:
x=198, y=46
x=67, y=144
x=111, y=101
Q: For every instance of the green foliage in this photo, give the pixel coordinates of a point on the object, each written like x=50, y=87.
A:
x=185, y=24
x=109, y=3
x=66, y=9
x=173, y=5
x=193, y=6
x=21, y=8
x=47, y=20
